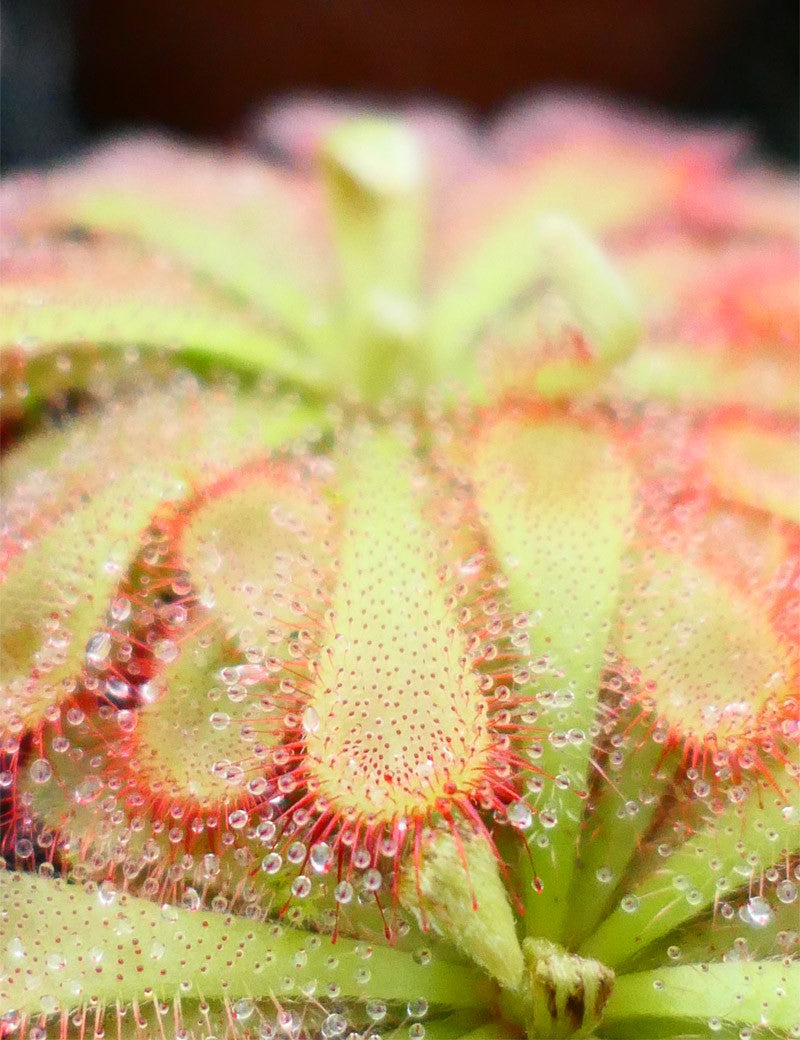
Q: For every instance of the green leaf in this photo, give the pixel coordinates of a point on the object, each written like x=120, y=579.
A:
x=557, y=503
x=624, y=804
x=255, y=544
x=460, y=1026
x=109, y=477
x=704, y=378
x=758, y=467
x=702, y=998
x=251, y=240
x=707, y=655
x=457, y=891
x=70, y=574
x=375, y=177
x=490, y=1031
x=120, y=948
x=547, y=253
x=71, y=319
x=746, y=926
x=725, y=851
x=399, y=714
x=186, y=712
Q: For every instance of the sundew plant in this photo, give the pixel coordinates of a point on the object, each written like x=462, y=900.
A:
x=400, y=575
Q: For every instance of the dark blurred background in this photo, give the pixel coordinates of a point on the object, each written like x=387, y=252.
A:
x=73, y=70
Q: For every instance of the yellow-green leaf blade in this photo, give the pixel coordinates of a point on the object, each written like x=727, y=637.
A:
x=70, y=312
x=701, y=999
x=547, y=255
x=120, y=947
x=558, y=507
x=224, y=216
x=745, y=838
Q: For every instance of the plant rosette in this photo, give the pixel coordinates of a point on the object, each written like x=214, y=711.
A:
x=401, y=570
